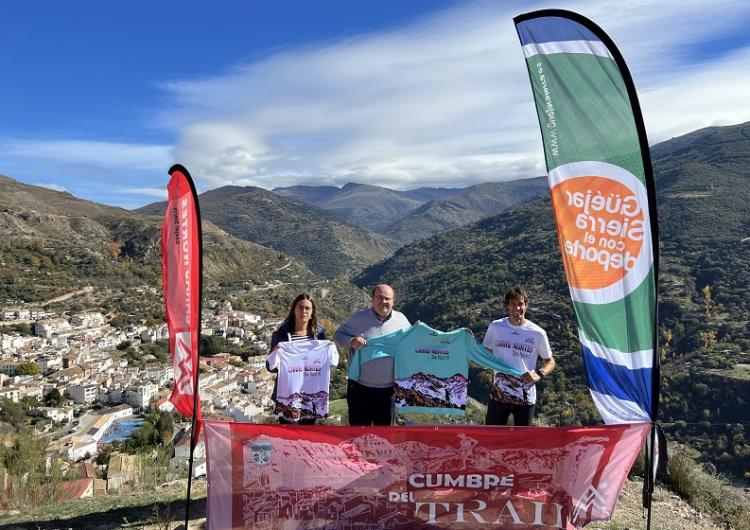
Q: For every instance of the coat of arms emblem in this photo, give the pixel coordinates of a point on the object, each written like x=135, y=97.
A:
x=262, y=452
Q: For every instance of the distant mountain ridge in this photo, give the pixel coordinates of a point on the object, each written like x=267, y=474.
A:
x=326, y=244
x=408, y=215
x=369, y=206
x=472, y=204
x=334, y=194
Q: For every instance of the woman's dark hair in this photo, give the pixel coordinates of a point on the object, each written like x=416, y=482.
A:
x=515, y=292
x=312, y=324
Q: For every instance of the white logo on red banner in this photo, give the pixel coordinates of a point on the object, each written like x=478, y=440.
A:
x=183, y=361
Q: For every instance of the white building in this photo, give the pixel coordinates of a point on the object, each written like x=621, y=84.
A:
x=49, y=363
x=119, y=412
x=107, y=342
x=207, y=380
x=141, y=395
x=83, y=393
x=57, y=414
x=251, y=318
x=160, y=375
x=224, y=388
x=9, y=392
x=243, y=412
x=155, y=333
x=31, y=389
x=75, y=449
x=164, y=405
x=37, y=314
x=17, y=342
x=58, y=342
x=89, y=319
x=182, y=446
x=48, y=327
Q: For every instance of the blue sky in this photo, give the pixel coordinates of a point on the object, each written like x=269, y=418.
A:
x=100, y=98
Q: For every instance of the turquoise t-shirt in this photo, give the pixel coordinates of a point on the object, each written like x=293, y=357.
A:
x=431, y=367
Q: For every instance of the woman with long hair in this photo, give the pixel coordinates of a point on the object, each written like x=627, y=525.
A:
x=300, y=324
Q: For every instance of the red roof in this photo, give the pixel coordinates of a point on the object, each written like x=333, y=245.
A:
x=74, y=489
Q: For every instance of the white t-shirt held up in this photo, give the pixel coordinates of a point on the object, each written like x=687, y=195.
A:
x=304, y=378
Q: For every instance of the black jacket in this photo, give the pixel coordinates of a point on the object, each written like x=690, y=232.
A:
x=282, y=334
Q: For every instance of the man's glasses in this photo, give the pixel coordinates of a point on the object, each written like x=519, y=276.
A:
x=383, y=298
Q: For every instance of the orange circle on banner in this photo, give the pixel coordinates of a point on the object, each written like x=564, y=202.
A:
x=600, y=225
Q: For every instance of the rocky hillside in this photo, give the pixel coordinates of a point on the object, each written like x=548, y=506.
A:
x=327, y=245
x=54, y=243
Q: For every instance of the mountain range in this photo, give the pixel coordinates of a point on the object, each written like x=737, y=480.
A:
x=409, y=215
x=326, y=244
x=338, y=231
x=372, y=207
x=55, y=243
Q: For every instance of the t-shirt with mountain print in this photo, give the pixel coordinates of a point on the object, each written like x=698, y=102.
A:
x=520, y=347
x=431, y=367
x=304, y=378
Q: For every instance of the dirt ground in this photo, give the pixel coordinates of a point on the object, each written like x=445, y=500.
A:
x=668, y=512
x=166, y=511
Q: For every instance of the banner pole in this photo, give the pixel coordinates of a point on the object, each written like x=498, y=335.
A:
x=192, y=449
x=649, y=478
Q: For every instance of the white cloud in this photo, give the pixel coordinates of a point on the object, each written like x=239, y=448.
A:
x=51, y=186
x=104, y=154
x=442, y=102
x=712, y=95
x=221, y=150
x=445, y=101
x=159, y=193
x=683, y=86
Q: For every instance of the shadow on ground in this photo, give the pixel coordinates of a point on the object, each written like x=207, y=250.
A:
x=166, y=515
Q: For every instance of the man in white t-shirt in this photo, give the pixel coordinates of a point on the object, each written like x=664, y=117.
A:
x=518, y=343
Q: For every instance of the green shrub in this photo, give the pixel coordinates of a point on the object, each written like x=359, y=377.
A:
x=705, y=490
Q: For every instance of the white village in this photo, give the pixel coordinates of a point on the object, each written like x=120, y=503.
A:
x=75, y=358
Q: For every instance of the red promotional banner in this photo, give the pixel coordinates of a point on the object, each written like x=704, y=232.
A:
x=277, y=476
x=181, y=272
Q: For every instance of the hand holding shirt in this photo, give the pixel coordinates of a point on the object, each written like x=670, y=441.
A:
x=430, y=367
